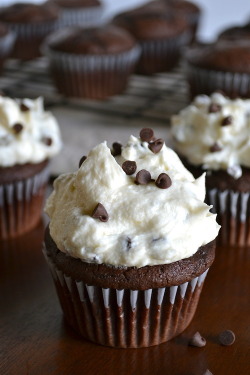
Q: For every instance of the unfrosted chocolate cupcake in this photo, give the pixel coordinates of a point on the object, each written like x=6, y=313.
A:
x=85, y=13
x=95, y=63
x=224, y=65
x=31, y=24
x=7, y=39
x=235, y=33
x=126, y=272
x=160, y=32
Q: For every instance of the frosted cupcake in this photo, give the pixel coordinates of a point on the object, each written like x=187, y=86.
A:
x=213, y=134
x=129, y=243
x=29, y=137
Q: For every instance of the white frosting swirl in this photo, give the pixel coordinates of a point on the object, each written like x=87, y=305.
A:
x=195, y=131
x=39, y=138
x=147, y=225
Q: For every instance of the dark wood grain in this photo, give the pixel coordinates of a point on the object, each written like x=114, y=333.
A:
x=34, y=339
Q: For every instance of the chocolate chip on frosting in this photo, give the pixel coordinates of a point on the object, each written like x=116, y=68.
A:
x=197, y=340
x=128, y=243
x=147, y=134
x=100, y=213
x=143, y=177
x=156, y=145
x=17, y=128
x=47, y=141
x=83, y=158
x=227, y=121
x=227, y=337
x=129, y=167
x=163, y=181
x=116, y=149
x=213, y=108
x=24, y=107
x=215, y=147
x=207, y=372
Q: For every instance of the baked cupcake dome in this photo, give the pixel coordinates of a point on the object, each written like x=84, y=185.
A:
x=95, y=63
x=160, y=33
x=125, y=264
x=31, y=24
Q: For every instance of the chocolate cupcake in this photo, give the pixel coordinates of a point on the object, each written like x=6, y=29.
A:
x=85, y=13
x=7, y=39
x=212, y=134
x=236, y=33
x=222, y=66
x=31, y=24
x=94, y=63
x=29, y=137
x=129, y=260
x=160, y=32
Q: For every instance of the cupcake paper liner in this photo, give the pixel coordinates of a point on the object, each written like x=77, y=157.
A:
x=233, y=210
x=85, y=17
x=205, y=81
x=126, y=318
x=161, y=55
x=21, y=204
x=94, y=77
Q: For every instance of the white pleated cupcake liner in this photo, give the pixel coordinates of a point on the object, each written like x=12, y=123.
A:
x=126, y=318
x=6, y=44
x=205, y=81
x=17, y=204
x=92, y=76
x=233, y=214
x=84, y=17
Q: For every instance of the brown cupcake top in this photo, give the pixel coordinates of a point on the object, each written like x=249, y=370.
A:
x=76, y=3
x=20, y=172
x=95, y=41
x=131, y=277
x=222, y=56
x=152, y=21
x=235, y=33
x=185, y=7
x=28, y=13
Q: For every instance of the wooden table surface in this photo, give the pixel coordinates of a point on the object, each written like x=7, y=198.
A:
x=35, y=340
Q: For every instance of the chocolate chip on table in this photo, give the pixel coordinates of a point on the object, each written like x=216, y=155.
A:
x=163, y=181
x=215, y=147
x=47, y=141
x=116, y=149
x=213, y=108
x=147, y=134
x=83, y=158
x=24, y=107
x=143, y=177
x=17, y=128
x=197, y=340
x=156, y=145
x=100, y=213
x=227, y=121
x=226, y=337
x=129, y=167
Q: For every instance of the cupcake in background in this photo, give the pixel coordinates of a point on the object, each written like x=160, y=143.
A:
x=29, y=137
x=161, y=33
x=31, y=23
x=213, y=134
x=85, y=13
x=95, y=63
x=129, y=243
x=7, y=39
x=236, y=33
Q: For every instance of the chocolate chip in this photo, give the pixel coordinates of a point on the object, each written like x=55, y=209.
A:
x=143, y=177
x=197, y=340
x=227, y=337
x=129, y=167
x=100, y=213
x=83, y=158
x=17, y=128
x=24, y=107
x=213, y=108
x=128, y=243
x=146, y=134
x=215, y=147
x=47, y=141
x=227, y=121
x=207, y=372
x=163, y=181
x=116, y=149
x=156, y=146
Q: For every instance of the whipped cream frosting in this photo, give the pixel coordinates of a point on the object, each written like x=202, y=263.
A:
x=146, y=225
x=214, y=132
x=28, y=133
